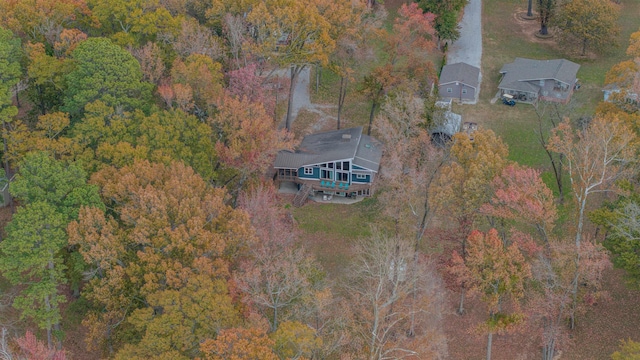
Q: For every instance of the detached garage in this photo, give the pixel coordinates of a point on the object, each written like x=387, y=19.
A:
x=459, y=82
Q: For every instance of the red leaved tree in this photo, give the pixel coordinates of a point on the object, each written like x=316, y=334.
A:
x=28, y=348
x=496, y=273
x=248, y=140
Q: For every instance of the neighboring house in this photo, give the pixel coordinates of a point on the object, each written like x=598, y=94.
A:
x=626, y=95
x=340, y=162
x=460, y=82
x=532, y=80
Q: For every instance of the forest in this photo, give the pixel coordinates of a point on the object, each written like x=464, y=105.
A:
x=141, y=220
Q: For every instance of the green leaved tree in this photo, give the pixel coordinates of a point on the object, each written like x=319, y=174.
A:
x=591, y=23
x=36, y=251
x=9, y=77
x=30, y=256
x=104, y=71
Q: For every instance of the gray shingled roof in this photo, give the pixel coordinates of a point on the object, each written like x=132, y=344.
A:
x=331, y=146
x=369, y=153
x=519, y=72
x=460, y=72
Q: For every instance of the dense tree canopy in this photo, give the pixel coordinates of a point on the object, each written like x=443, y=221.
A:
x=160, y=258
x=593, y=23
x=104, y=71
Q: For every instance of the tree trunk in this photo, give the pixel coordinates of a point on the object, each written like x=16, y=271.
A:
x=341, y=95
x=576, y=278
x=295, y=71
x=373, y=110
x=559, y=180
x=543, y=29
x=548, y=350
x=275, y=106
x=274, y=326
x=18, y=96
x=42, y=105
x=489, y=341
x=318, y=69
x=584, y=47
x=5, y=133
x=529, y=10
x=461, y=306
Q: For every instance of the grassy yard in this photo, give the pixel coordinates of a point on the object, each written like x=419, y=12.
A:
x=507, y=37
x=330, y=231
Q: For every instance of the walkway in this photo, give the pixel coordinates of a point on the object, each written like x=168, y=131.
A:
x=302, y=100
x=468, y=48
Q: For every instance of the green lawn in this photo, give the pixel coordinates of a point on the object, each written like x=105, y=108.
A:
x=504, y=38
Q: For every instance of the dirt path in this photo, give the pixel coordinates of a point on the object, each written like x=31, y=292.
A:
x=302, y=100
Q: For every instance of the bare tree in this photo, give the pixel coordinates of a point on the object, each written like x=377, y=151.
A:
x=197, y=39
x=234, y=29
x=382, y=285
x=595, y=158
x=150, y=58
x=550, y=114
x=275, y=276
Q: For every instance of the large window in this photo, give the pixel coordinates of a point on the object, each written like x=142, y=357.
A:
x=326, y=174
x=342, y=176
x=345, y=165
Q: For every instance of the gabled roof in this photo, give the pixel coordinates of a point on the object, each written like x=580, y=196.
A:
x=523, y=70
x=345, y=144
x=460, y=72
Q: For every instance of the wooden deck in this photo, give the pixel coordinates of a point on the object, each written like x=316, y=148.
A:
x=315, y=184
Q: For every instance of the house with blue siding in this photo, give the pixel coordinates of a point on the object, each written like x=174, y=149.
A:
x=340, y=163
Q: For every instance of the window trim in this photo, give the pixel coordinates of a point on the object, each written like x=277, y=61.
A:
x=449, y=90
x=308, y=170
x=361, y=176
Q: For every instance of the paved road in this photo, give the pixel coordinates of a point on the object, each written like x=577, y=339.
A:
x=301, y=96
x=302, y=100
x=468, y=48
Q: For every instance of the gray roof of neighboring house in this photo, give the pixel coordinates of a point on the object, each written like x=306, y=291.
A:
x=518, y=73
x=331, y=146
x=460, y=72
x=449, y=123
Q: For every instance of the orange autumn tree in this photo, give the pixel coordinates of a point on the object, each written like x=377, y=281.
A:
x=44, y=20
x=494, y=272
x=413, y=37
x=520, y=196
x=294, y=34
x=239, y=344
x=464, y=184
x=624, y=78
x=247, y=139
x=160, y=260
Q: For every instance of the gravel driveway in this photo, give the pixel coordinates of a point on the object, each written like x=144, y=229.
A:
x=468, y=48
